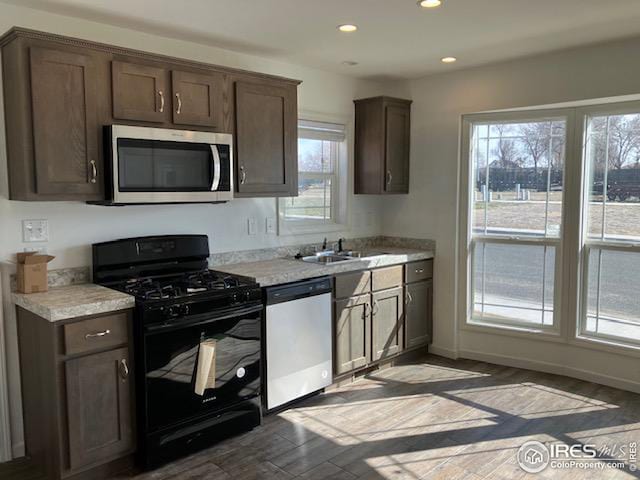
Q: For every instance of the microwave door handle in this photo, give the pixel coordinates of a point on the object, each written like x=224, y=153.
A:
x=216, y=168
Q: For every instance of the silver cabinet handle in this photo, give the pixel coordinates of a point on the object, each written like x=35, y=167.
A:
x=389, y=177
x=243, y=175
x=161, y=93
x=420, y=270
x=376, y=307
x=94, y=171
x=409, y=297
x=97, y=334
x=124, y=369
x=179, y=103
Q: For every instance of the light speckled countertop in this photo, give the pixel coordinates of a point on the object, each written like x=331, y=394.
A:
x=71, y=301
x=285, y=270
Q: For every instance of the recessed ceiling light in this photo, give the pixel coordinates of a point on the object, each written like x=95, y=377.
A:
x=448, y=59
x=350, y=63
x=347, y=27
x=429, y=3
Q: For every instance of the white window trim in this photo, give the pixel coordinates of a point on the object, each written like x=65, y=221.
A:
x=573, y=244
x=342, y=175
x=468, y=239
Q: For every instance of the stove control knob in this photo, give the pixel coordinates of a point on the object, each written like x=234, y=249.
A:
x=184, y=310
x=247, y=295
x=173, y=311
x=241, y=372
x=234, y=298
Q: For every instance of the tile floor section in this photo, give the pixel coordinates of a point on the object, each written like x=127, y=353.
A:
x=432, y=419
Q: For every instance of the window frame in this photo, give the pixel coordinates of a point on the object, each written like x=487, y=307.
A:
x=587, y=244
x=340, y=204
x=574, y=245
x=468, y=240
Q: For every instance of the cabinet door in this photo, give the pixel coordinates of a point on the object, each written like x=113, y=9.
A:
x=397, y=138
x=418, y=314
x=352, y=333
x=65, y=128
x=387, y=321
x=99, y=407
x=197, y=99
x=266, y=140
x=139, y=92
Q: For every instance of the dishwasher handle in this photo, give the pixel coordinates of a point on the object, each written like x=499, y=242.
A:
x=294, y=291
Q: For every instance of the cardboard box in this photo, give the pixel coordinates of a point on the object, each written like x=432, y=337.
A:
x=32, y=272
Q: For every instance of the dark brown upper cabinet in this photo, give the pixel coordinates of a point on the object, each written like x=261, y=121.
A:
x=266, y=140
x=197, y=98
x=51, y=125
x=382, y=140
x=139, y=92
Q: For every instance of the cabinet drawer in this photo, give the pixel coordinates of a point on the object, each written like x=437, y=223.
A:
x=417, y=271
x=353, y=284
x=96, y=333
x=388, y=277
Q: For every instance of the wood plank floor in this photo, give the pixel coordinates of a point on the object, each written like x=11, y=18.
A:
x=428, y=419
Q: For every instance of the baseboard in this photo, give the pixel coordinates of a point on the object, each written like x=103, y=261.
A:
x=443, y=352
x=546, y=367
x=17, y=450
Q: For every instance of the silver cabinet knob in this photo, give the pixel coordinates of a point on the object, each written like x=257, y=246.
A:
x=94, y=171
x=124, y=369
x=161, y=93
x=97, y=334
x=389, y=177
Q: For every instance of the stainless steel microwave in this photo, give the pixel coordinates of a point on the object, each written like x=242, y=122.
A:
x=158, y=165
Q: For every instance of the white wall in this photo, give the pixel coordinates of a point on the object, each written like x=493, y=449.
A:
x=430, y=210
x=74, y=226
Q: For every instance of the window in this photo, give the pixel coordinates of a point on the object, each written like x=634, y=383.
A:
x=550, y=237
x=611, y=303
x=516, y=199
x=319, y=204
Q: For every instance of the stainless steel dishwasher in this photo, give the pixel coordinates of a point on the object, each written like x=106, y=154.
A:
x=298, y=340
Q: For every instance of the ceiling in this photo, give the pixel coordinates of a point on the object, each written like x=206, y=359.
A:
x=396, y=38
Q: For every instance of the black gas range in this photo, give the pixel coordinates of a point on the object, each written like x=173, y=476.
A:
x=197, y=342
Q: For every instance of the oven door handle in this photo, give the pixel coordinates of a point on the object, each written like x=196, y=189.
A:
x=197, y=320
x=215, y=183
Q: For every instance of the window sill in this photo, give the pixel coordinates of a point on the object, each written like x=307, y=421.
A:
x=607, y=345
x=287, y=228
x=523, y=331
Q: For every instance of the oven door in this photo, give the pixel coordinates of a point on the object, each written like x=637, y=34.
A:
x=171, y=357
x=152, y=165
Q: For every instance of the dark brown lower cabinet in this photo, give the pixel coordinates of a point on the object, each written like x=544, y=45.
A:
x=352, y=333
x=78, y=407
x=387, y=318
x=99, y=407
x=418, y=319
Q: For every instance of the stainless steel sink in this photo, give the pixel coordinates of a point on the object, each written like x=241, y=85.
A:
x=329, y=257
x=326, y=258
x=362, y=254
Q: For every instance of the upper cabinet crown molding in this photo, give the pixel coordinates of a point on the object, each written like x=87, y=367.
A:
x=19, y=32
x=382, y=144
x=56, y=109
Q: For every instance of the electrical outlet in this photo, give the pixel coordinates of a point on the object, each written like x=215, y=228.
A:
x=35, y=231
x=270, y=225
x=252, y=226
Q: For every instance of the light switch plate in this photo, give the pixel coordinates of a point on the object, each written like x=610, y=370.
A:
x=35, y=231
x=252, y=226
x=270, y=225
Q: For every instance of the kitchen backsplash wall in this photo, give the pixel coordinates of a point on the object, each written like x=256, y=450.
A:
x=74, y=226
